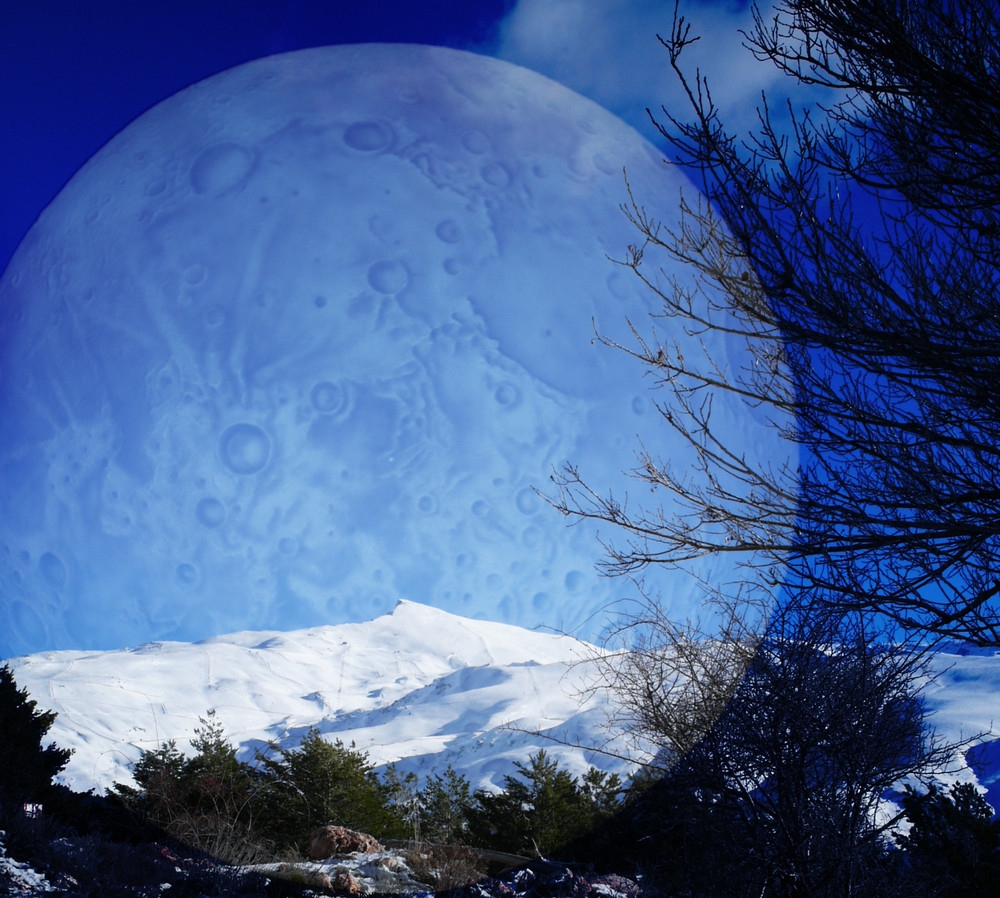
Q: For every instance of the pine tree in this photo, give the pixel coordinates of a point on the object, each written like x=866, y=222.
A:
x=214, y=780
x=443, y=803
x=403, y=800
x=158, y=793
x=544, y=811
x=26, y=768
x=953, y=846
x=320, y=783
x=211, y=800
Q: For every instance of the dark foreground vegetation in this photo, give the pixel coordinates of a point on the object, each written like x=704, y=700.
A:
x=246, y=811
x=769, y=803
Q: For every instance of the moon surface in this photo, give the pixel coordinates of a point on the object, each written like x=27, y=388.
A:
x=304, y=338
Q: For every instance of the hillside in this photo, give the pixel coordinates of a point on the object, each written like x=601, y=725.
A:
x=418, y=685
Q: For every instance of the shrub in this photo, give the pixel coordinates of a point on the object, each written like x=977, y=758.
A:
x=445, y=867
x=543, y=812
x=953, y=845
x=26, y=767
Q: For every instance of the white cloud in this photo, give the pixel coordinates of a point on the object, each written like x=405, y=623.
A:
x=608, y=51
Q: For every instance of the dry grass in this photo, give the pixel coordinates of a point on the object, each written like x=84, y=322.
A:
x=229, y=842
x=445, y=867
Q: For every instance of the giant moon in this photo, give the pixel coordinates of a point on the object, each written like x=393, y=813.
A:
x=306, y=337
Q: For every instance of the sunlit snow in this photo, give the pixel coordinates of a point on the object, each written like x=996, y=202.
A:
x=419, y=686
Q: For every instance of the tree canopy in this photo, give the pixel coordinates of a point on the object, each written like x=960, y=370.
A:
x=27, y=766
x=852, y=245
x=542, y=808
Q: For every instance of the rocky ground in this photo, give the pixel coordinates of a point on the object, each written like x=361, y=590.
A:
x=39, y=857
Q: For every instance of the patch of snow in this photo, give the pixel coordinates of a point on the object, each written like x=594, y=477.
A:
x=17, y=878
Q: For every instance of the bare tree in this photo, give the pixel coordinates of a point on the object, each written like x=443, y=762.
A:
x=827, y=721
x=784, y=791
x=853, y=248
x=669, y=681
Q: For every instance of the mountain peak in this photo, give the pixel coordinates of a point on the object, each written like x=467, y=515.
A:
x=419, y=685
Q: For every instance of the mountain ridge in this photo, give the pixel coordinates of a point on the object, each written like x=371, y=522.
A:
x=418, y=686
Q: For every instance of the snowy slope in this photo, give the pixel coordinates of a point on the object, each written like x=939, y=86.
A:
x=964, y=703
x=418, y=684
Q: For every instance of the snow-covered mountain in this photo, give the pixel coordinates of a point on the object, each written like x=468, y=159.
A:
x=419, y=686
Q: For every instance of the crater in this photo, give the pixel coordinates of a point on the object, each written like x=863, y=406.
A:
x=475, y=142
x=245, y=448
x=527, y=501
x=506, y=394
x=388, y=277
x=185, y=574
x=496, y=175
x=53, y=570
x=368, y=137
x=448, y=231
x=220, y=168
x=328, y=398
x=210, y=512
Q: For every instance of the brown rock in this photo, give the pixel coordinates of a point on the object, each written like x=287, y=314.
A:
x=344, y=882
x=320, y=880
x=336, y=841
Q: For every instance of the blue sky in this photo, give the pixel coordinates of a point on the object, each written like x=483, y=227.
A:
x=74, y=74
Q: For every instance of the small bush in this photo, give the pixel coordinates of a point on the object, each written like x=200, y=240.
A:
x=223, y=838
x=445, y=867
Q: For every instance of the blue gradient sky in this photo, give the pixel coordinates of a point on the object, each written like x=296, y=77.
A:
x=75, y=74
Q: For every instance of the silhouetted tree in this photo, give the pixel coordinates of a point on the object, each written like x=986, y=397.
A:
x=852, y=247
x=26, y=765
x=542, y=809
x=784, y=793
x=953, y=845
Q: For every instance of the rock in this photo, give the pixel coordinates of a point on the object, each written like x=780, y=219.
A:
x=320, y=880
x=617, y=885
x=335, y=841
x=344, y=882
